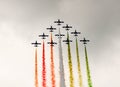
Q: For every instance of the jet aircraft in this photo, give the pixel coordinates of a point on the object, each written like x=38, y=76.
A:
x=84, y=41
x=51, y=29
x=52, y=43
x=67, y=41
x=59, y=35
x=43, y=36
x=67, y=27
x=75, y=33
x=58, y=22
x=36, y=44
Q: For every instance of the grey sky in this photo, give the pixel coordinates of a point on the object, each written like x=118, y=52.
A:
x=22, y=20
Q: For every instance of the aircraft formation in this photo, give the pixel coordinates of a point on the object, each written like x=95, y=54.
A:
x=67, y=27
x=61, y=65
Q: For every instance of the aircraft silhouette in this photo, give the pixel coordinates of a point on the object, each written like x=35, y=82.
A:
x=58, y=22
x=75, y=33
x=67, y=41
x=51, y=43
x=43, y=36
x=51, y=29
x=36, y=44
x=67, y=27
x=59, y=35
x=84, y=41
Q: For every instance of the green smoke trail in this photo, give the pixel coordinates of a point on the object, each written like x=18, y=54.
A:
x=70, y=64
x=78, y=64
x=88, y=69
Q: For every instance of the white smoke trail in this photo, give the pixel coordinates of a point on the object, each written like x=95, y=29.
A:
x=61, y=66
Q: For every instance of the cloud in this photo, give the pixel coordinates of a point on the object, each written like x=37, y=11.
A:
x=97, y=20
x=27, y=15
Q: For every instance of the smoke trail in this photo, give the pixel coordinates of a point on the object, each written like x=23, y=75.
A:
x=36, y=69
x=88, y=70
x=52, y=65
x=62, y=79
x=78, y=64
x=70, y=64
x=43, y=67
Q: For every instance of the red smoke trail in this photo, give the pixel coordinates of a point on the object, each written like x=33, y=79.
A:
x=43, y=67
x=52, y=65
x=36, y=69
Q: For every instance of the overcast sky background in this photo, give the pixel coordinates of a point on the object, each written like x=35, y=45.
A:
x=21, y=21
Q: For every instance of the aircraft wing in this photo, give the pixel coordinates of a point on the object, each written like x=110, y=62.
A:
x=65, y=41
x=54, y=43
x=32, y=43
x=64, y=27
x=69, y=26
x=57, y=35
x=81, y=40
x=40, y=35
x=87, y=40
x=48, y=42
x=61, y=22
x=78, y=32
x=48, y=28
x=54, y=28
x=62, y=35
x=38, y=43
x=72, y=32
x=45, y=35
x=55, y=21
